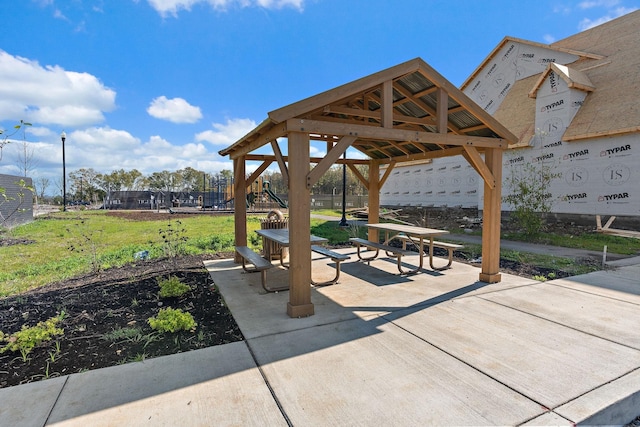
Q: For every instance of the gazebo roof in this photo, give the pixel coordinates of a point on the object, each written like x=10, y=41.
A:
x=426, y=117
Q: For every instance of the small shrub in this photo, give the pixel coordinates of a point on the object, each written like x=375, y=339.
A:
x=172, y=320
x=172, y=287
x=29, y=337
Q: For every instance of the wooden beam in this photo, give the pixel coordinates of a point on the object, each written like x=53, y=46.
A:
x=316, y=173
x=272, y=134
x=240, y=206
x=474, y=158
x=272, y=158
x=490, y=268
x=258, y=171
x=299, y=220
x=283, y=166
x=374, y=198
x=386, y=173
x=379, y=133
x=387, y=104
x=377, y=115
x=424, y=106
x=358, y=175
x=442, y=110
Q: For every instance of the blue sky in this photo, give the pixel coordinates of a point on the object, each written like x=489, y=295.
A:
x=166, y=84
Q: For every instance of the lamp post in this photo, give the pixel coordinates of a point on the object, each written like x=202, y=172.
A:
x=63, y=137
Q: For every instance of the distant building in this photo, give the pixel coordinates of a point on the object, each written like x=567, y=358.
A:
x=575, y=106
x=17, y=207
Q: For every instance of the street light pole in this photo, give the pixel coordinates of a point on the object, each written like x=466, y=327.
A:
x=63, y=137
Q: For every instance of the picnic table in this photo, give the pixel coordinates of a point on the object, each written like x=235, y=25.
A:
x=421, y=237
x=281, y=238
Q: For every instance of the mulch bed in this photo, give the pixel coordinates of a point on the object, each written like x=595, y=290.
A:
x=96, y=305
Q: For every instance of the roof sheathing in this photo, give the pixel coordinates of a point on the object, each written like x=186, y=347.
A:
x=613, y=107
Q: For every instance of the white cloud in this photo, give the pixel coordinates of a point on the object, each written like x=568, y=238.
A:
x=587, y=23
x=51, y=95
x=589, y=4
x=548, y=38
x=172, y=7
x=175, y=110
x=227, y=134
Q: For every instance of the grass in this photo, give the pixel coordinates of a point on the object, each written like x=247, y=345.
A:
x=106, y=240
x=589, y=241
x=101, y=241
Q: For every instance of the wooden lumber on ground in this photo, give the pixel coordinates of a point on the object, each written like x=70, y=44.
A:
x=606, y=229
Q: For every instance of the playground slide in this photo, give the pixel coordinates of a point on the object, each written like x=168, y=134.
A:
x=273, y=196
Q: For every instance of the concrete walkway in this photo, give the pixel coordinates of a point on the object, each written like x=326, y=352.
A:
x=436, y=348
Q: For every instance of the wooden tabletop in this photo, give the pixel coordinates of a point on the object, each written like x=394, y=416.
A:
x=409, y=230
x=281, y=236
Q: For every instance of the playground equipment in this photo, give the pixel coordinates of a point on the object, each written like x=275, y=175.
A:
x=266, y=187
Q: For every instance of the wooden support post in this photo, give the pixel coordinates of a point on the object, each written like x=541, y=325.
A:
x=299, y=220
x=240, y=204
x=490, y=270
x=374, y=197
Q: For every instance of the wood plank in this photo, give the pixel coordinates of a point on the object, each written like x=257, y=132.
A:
x=387, y=104
x=300, y=220
x=379, y=133
x=374, y=197
x=386, y=173
x=345, y=91
x=254, y=176
x=364, y=181
x=329, y=160
x=474, y=158
x=272, y=158
x=283, y=166
x=259, y=140
x=240, y=211
x=490, y=268
x=442, y=110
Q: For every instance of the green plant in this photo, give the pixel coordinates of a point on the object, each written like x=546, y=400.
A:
x=173, y=239
x=86, y=241
x=540, y=278
x=172, y=287
x=172, y=320
x=529, y=196
x=132, y=334
x=29, y=337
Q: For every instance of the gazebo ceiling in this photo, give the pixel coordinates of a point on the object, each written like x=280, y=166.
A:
x=404, y=113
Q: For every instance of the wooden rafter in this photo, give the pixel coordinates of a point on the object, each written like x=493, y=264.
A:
x=364, y=181
x=383, y=134
x=474, y=158
x=283, y=166
x=330, y=158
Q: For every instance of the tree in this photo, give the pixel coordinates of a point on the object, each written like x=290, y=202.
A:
x=528, y=187
x=26, y=159
x=41, y=184
x=84, y=184
x=5, y=135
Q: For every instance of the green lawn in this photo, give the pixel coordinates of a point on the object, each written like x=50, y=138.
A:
x=66, y=244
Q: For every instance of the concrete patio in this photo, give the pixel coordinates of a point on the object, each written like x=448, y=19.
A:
x=382, y=349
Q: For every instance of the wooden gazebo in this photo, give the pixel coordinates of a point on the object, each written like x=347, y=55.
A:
x=405, y=113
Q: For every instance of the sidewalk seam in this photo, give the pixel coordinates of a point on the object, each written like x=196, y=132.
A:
x=266, y=382
x=46, y=421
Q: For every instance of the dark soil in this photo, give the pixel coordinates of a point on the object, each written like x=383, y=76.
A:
x=119, y=298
